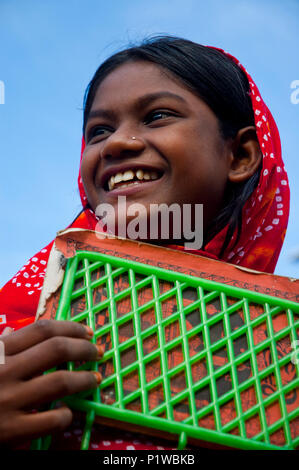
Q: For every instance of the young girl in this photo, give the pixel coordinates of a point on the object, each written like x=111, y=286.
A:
x=178, y=123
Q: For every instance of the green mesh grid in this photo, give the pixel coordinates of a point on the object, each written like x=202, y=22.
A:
x=190, y=357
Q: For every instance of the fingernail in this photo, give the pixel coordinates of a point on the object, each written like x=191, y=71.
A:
x=89, y=331
x=100, y=351
x=98, y=377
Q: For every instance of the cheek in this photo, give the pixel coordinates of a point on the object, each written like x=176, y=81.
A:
x=87, y=175
x=88, y=167
x=200, y=173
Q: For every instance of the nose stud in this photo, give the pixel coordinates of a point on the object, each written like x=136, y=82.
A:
x=133, y=138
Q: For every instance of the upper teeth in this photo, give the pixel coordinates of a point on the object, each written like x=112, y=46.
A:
x=129, y=175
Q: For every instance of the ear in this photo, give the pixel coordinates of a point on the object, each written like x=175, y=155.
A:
x=246, y=155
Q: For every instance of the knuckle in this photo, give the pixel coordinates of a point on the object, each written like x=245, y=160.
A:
x=92, y=351
x=67, y=383
x=89, y=380
x=59, y=348
x=7, y=371
x=6, y=399
x=60, y=419
x=62, y=382
x=45, y=328
x=77, y=328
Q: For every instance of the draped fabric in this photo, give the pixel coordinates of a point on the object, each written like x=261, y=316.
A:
x=266, y=212
x=264, y=223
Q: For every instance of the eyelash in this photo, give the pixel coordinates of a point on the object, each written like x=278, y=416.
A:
x=149, y=118
x=92, y=132
x=157, y=111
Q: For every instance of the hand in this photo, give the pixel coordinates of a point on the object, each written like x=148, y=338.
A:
x=28, y=353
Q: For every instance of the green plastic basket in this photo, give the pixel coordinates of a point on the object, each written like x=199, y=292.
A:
x=196, y=359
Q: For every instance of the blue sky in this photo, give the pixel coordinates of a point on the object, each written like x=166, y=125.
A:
x=49, y=52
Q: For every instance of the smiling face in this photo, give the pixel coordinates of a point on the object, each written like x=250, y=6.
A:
x=152, y=140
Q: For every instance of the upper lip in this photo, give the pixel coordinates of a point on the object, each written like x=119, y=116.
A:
x=113, y=170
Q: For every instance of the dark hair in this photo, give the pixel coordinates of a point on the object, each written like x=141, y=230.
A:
x=218, y=81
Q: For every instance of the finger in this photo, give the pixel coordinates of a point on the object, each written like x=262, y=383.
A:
x=42, y=330
x=52, y=353
x=54, y=386
x=33, y=425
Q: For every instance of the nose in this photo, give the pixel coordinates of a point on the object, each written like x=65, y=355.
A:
x=123, y=143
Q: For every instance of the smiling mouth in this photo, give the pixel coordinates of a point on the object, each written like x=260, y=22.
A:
x=131, y=178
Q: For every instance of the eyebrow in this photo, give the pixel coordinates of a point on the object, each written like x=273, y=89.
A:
x=146, y=99
x=140, y=103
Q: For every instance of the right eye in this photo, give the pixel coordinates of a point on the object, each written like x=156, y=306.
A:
x=98, y=131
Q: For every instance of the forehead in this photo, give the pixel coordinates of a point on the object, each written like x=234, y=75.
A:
x=135, y=78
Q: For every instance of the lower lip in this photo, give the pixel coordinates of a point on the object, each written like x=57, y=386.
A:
x=134, y=188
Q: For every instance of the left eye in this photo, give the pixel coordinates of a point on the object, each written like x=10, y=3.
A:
x=156, y=115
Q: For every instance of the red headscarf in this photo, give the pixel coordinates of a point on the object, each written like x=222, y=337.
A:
x=265, y=218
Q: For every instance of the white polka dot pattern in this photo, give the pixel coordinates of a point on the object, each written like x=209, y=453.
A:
x=29, y=272
x=261, y=245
